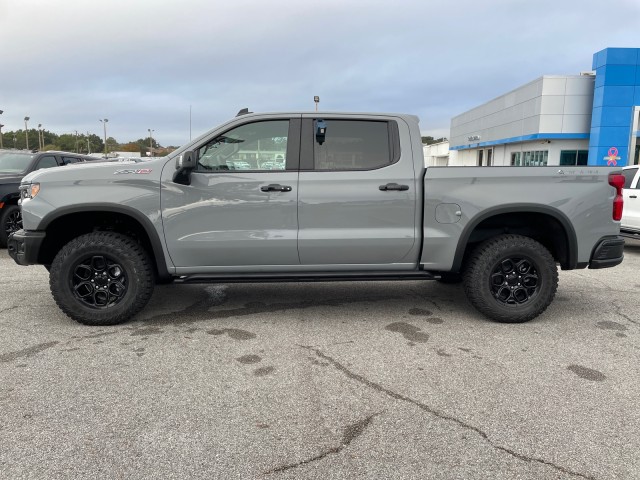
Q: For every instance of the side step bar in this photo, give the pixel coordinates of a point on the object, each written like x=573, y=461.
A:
x=305, y=277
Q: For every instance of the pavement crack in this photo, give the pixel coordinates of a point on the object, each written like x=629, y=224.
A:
x=443, y=416
x=349, y=434
x=619, y=312
x=13, y=307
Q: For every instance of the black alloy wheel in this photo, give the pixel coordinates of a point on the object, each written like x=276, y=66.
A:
x=515, y=281
x=99, y=281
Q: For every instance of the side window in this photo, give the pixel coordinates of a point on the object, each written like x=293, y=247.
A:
x=68, y=160
x=47, y=162
x=253, y=146
x=629, y=173
x=354, y=145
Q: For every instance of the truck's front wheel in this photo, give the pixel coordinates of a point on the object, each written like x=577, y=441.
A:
x=101, y=278
x=10, y=222
x=511, y=278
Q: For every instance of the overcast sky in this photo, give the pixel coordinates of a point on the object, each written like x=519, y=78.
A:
x=143, y=63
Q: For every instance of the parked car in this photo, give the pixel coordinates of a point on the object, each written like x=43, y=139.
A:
x=14, y=165
x=354, y=202
x=630, y=222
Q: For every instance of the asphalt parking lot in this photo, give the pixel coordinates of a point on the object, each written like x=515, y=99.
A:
x=345, y=380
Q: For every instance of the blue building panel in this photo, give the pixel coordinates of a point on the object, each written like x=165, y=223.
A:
x=614, y=136
x=617, y=92
x=620, y=56
x=608, y=156
x=618, y=95
x=598, y=96
x=598, y=60
x=615, y=117
x=596, y=118
x=617, y=75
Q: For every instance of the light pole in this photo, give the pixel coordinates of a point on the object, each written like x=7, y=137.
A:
x=1, y=112
x=151, y=141
x=104, y=124
x=76, y=141
x=40, y=142
x=26, y=130
x=88, y=145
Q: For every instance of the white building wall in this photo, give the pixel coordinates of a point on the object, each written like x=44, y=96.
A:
x=501, y=154
x=439, y=155
x=549, y=104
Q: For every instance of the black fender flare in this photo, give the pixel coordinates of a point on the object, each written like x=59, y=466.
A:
x=518, y=208
x=143, y=220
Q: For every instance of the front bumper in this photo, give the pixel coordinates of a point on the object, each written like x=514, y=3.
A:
x=24, y=246
x=609, y=252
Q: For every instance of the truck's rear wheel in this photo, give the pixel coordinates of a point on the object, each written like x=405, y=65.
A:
x=101, y=278
x=511, y=278
x=10, y=222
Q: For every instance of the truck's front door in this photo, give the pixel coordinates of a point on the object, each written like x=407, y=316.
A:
x=357, y=200
x=240, y=208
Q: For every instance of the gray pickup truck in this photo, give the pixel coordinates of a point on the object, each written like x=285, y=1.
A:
x=314, y=197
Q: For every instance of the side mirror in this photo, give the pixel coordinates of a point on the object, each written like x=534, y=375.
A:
x=185, y=163
x=321, y=131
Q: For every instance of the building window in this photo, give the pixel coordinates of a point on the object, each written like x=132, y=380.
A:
x=534, y=158
x=480, y=152
x=574, y=157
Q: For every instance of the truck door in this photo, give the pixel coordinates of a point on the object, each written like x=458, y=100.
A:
x=240, y=208
x=357, y=193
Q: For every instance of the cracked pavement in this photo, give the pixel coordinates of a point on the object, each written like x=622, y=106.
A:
x=320, y=381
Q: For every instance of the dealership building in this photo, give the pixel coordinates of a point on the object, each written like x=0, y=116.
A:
x=587, y=119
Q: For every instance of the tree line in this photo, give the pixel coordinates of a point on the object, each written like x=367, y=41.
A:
x=80, y=143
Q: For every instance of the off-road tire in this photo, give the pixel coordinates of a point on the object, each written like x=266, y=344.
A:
x=488, y=279
x=126, y=253
x=7, y=214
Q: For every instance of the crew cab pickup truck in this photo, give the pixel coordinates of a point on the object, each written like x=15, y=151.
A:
x=630, y=222
x=352, y=200
x=14, y=165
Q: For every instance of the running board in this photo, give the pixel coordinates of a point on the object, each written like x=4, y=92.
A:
x=305, y=277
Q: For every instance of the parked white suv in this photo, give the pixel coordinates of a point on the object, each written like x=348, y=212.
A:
x=631, y=212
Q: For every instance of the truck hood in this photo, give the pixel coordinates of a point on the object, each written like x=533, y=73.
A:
x=97, y=170
x=7, y=178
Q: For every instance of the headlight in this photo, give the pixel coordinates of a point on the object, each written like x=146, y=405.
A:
x=29, y=191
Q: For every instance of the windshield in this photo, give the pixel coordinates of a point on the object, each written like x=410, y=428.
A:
x=14, y=162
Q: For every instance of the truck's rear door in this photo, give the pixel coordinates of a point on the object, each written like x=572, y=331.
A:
x=357, y=193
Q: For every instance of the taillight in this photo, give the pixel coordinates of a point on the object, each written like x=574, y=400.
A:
x=616, y=180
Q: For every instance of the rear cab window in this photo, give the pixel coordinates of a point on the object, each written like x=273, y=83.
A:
x=354, y=144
